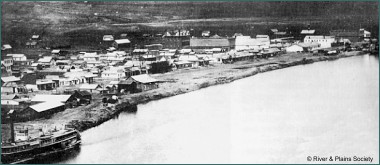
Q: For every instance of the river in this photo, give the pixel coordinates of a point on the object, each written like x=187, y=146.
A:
x=323, y=109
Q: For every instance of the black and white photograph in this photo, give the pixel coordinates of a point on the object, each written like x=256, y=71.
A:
x=189, y=82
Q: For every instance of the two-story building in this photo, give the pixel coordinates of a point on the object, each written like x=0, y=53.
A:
x=324, y=41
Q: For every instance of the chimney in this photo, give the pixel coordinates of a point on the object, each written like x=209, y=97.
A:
x=10, y=116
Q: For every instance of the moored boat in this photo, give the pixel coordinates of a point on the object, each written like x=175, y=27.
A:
x=54, y=142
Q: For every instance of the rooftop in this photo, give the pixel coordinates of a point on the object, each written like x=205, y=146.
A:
x=319, y=37
x=8, y=97
x=10, y=79
x=144, y=78
x=46, y=106
x=307, y=31
x=90, y=86
x=123, y=41
x=50, y=98
x=55, y=51
x=213, y=42
x=45, y=59
x=108, y=38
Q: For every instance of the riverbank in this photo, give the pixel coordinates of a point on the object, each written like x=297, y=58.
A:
x=179, y=82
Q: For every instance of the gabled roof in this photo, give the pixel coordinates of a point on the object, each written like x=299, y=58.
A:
x=10, y=79
x=90, y=86
x=108, y=38
x=83, y=93
x=262, y=36
x=123, y=41
x=271, y=50
x=50, y=98
x=45, y=59
x=307, y=31
x=144, y=78
x=16, y=55
x=133, y=63
x=34, y=64
x=46, y=106
x=125, y=82
x=55, y=51
x=35, y=36
x=9, y=97
x=7, y=46
x=274, y=30
x=215, y=36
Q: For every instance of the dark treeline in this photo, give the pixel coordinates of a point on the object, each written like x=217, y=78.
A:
x=217, y=9
x=256, y=9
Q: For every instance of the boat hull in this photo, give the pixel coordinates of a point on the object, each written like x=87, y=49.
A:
x=42, y=154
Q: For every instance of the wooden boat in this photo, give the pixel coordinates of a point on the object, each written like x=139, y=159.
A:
x=56, y=142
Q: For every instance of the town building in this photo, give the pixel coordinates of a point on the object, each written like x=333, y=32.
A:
x=84, y=97
x=364, y=34
x=324, y=41
x=6, y=47
x=6, y=65
x=248, y=43
x=9, y=81
x=308, y=47
x=113, y=73
x=10, y=99
x=17, y=57
x=206, y=33
x=294, y=48
x=122, y=44
x=345, y=35
x=90, y=57
x=138, y=83
x=108, y=38
x=40, y=110
x=46, y=62
x=92, y=88
x=36, y=37
x=307, y=32
x=209, y=43
x=45, y=84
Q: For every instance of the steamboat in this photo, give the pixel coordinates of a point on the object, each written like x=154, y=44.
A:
x=46, y=144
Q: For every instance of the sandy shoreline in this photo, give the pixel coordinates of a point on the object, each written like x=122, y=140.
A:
x=179, y=82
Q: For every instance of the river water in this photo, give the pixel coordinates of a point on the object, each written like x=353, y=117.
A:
x=322, y=109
